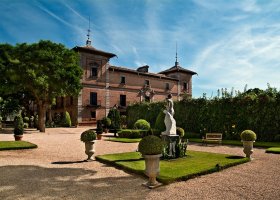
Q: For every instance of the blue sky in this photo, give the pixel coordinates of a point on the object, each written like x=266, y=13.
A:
x=229, y=43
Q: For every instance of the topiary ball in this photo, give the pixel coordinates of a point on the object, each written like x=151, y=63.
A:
x=142, y=124
x=248, y=135
x=150, y=145
x=88, y=135
x=180, y=132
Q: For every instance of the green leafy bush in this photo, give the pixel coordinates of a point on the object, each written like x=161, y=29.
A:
x=154, y=132
x=248, y=135
x=26, y=119
x=277, y=138
x=99, y=128
x=67, y=120
x=123, y=121
x=124, y=133
x=114, y=115
x=18, y=123
x=88, y=135
x=142, y=124
x=106, y=121
x=191, y=135
x=159, y=124
x=144, y=133
x=180, y=132
x=150, y=145
x=50, y=124
x=130, y=133
x=25, y=125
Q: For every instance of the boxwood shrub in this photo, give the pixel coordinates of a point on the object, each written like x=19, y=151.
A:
x=142, y=124
x=130, y=133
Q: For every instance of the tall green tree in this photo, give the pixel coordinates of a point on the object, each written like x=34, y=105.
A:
x=45, y=70
x=11, y=92
x=50, y=70
x=8, y=63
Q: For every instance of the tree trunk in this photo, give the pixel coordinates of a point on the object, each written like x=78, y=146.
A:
x=42, y=116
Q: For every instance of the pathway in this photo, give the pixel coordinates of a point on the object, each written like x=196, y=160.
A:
x=55, y=171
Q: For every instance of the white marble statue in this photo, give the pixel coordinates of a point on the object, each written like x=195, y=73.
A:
x=169, y=121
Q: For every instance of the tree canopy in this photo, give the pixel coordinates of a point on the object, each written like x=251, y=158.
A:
x=45, y=70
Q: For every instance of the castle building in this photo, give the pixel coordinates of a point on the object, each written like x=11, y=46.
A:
x=106, y=86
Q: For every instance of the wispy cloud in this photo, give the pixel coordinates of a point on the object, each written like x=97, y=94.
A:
x=55, y=16
x=248, y=55
x=245, y=5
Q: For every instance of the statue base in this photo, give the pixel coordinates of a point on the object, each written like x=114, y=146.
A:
x=171, y=141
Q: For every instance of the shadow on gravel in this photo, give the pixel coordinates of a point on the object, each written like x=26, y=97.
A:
x=36, y=182
x=68, y=162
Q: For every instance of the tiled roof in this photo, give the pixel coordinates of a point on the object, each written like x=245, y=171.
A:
x=124, y=69
x=90, y=49
x=177, y=69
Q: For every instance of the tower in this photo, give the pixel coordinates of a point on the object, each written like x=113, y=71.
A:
x=176, y=62
x=88, y=42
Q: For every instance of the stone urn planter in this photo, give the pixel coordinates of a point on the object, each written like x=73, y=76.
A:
x=151, y=148
x=248, y=138
x=248, y=148
x=89, y=137
x=152, y=169
x=89, y=145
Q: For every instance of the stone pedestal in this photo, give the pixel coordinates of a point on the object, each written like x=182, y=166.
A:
x=171, y=141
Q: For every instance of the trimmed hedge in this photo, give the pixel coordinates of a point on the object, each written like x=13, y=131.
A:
x=255, y=110
x=131, y=133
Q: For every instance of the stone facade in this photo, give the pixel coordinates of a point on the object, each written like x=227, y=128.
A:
x=105, y=86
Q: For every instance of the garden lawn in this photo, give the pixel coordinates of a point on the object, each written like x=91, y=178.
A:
x=14, y=145
x=196, y=163
x=125, y=140
x=273, y=150
x=239, y=143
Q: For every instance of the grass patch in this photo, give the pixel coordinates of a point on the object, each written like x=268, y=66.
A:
x=239, y=143
x=125, y=140
x=194, y=164
x=14, y=145
x=273, y=150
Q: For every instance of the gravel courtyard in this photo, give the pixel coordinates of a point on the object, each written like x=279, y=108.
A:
x=55, y=170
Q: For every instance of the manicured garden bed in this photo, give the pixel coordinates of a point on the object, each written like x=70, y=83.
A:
x=273, y=150
x=194, y=164
x=125, y=140
x=14, y=145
